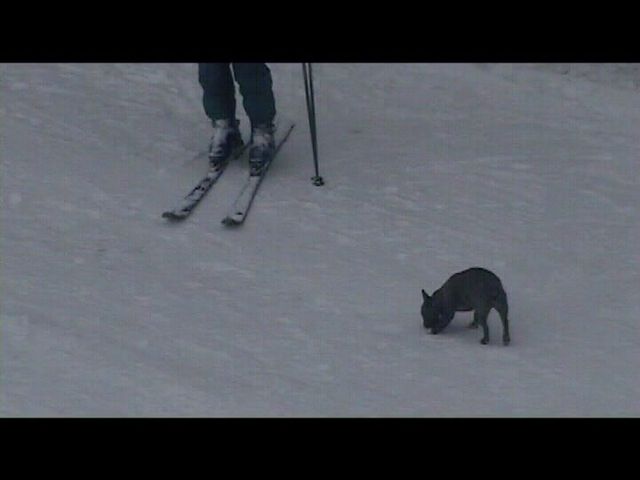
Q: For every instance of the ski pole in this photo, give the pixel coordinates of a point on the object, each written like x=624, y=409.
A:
x=307, y=73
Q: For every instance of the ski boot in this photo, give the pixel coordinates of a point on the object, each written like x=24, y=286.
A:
x=262, y=148
x=225, y=142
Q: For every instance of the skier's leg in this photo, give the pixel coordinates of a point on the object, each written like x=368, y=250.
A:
x=218, y=90
x=256, y=87
x=220, y=106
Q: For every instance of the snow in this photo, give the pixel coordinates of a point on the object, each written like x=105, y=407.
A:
x=312, y=308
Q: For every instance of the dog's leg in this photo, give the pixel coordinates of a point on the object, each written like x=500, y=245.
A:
x=480, y=315
x=503, y=311
x=474, y=323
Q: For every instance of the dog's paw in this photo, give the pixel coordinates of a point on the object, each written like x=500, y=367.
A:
x=484, y=341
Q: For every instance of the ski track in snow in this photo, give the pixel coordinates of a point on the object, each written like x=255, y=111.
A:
x=312, y=307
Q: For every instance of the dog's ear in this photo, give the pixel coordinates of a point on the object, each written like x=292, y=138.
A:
x=424, y=295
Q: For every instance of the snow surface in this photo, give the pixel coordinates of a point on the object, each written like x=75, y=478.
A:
x=312, y=307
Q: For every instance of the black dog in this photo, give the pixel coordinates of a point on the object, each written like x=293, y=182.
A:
x=474, y=289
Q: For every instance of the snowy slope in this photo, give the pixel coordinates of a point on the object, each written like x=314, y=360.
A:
x=312, y=307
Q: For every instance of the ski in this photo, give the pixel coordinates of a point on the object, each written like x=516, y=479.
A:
x=193, y=198
x=240, y=208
